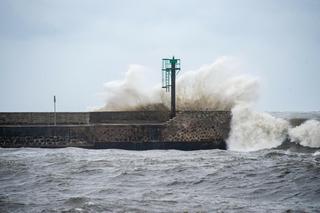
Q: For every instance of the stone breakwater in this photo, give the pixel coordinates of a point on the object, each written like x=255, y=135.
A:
x=127, y=130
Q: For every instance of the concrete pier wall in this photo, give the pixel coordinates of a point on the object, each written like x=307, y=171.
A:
x=133, y=130
x=46, y=136
x=47, y=118
x=129, y=117
x=43, y=118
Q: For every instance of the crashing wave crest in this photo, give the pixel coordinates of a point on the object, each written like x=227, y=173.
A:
x=217, y=86
x=307, y=134
x=251, y=131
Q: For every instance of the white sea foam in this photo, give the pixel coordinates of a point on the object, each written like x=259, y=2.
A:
x=307, y=134
x=217, y=86
x=130, y=92
x=316, y=153
x=251, y=131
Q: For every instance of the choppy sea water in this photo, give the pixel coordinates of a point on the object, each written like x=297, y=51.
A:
x=81, y=180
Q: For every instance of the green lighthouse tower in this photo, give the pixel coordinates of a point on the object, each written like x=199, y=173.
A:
x=170, y=68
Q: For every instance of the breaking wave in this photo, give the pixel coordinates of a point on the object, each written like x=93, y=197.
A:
x=217, y=86
x=251, y=131
x=307, y=134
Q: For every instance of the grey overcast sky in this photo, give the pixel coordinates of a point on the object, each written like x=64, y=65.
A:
x=70, y=48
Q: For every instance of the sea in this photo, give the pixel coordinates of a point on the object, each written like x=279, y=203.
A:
x=281, y=179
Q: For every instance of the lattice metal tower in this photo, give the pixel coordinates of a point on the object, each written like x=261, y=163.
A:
x=170, y=68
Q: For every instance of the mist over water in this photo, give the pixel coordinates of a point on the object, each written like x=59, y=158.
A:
x=217, y=86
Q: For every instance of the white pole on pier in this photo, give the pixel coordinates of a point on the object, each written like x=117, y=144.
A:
x=55, y=112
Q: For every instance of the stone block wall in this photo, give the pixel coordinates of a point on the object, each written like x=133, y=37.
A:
x=47, y=118
x=43, y=118
x=129, y=117
x=46, y=136
x=127, y=133
x=204, y=126
x=198, y=126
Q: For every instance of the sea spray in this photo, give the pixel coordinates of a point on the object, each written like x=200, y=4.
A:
x=251, y=131
x=130, y=93
x=307, y=134
x=217, y=86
